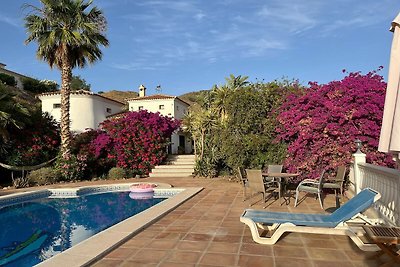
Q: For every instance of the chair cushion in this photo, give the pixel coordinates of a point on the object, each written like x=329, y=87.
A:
x=301, y=219
x=308, y=189
x=357, y=204
x=332, y=186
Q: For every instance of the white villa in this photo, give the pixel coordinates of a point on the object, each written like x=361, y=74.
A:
x=170, y=106
x=87, y=109
x=18, y=77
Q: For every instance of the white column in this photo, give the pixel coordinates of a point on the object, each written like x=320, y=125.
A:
x=359, y=157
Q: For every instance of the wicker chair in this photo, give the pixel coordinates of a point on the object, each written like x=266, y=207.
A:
x=313, y=186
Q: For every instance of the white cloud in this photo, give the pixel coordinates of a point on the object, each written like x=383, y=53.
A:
x=170, y=32
x=361, y=15
x=353, y=22
x=137, y=65
x=290, y=16
x=181, y=6
x=260, y=47
x=11, y=21
x=199, y=16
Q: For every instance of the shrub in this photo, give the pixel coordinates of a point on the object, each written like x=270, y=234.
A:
x=21, y=182
x=136, y=141
x=44, y=176
x=321, y=125
x=8, y=79
x=37, y=87
x=71, y=168
x=96, y=165
x=36, y=143
x=235, y=126
x=116, y=173
x=205, y=168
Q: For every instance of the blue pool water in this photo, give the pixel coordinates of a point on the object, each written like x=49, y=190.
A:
x=34, y=231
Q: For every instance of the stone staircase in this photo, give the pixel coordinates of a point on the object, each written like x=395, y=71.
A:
x=175, y=166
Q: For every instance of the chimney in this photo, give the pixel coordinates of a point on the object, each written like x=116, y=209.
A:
x=142, y=91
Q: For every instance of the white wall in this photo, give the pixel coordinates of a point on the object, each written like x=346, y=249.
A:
x=153, y=105
x=180, y=109
x=47, y=105
x=100, y=106
x=86, y=111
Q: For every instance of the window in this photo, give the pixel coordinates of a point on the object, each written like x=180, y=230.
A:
x=108, y=110
x=177, y=107
x=57, y=105
x=161, y=107
x=140, y=108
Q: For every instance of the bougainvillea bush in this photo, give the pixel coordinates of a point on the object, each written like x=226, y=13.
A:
x=321, y=125
x=36, y=143
x=136, y=141
x=95, y=165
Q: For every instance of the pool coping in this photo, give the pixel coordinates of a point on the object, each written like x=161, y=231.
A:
x=95, y=247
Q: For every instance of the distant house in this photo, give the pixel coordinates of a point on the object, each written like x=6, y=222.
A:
x=87, y=109
x=18, y=77
x=170, y=106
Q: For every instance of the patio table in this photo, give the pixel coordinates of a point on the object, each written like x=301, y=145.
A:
x=282, y=178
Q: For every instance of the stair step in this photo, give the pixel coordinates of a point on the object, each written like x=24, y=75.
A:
x=181, y=156
x=187, y=166
x=175, y=166
x=169, y=175
x=189, y=170
x=181, y=159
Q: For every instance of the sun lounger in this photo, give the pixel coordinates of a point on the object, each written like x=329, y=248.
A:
x=337, y=223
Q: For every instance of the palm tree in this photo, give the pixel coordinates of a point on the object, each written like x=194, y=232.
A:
x=203, y=122
x=220, y=95
x=236, y=82
x=68, y=36
x=12, y=113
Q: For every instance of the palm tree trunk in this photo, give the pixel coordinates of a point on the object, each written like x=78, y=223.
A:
x=202, y=144
x=194, y=146
x=66, y=75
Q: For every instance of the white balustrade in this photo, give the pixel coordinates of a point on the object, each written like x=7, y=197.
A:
x=387, y=182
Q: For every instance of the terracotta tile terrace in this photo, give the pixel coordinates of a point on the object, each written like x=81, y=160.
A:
x=206, y=231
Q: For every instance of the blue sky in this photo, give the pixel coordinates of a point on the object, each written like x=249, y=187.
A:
x=190, y=45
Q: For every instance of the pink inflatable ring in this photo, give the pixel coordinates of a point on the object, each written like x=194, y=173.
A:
x=142, y=188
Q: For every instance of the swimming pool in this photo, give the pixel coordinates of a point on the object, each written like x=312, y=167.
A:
x=40, y=225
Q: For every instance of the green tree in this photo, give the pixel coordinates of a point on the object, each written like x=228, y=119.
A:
x=235, y=125
x=236, y=82
x=38, y=87
x=69, y=35
x=7, y=79
x=12, y=113
x=78, y=83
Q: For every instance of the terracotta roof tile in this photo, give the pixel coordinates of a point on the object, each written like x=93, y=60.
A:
x=80, y=92
x=156, y=96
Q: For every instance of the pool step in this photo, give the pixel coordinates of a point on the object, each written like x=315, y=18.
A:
x=175, y=166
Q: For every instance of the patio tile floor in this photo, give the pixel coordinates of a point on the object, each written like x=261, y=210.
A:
x=206, y=231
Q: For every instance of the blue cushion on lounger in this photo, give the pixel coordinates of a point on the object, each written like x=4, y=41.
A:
x=357, y=204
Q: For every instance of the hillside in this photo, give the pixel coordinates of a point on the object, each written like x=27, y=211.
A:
x=119, y=95
x=25, y=98
x=192, y=97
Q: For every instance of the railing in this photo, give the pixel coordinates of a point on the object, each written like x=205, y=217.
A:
x=384, y=180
